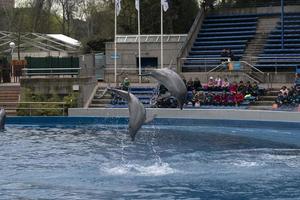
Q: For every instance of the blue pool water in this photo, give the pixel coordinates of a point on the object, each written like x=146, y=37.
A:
x=165, y=162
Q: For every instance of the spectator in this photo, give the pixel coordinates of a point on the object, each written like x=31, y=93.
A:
x=239, y=98
x=297, y=80
x=125, y=84
x=233, y=87
x=224, y=56
x=248, y=88
x=231, y=55
x=197, y=84
x=284, y=90
x=255, y=89
x=211, y=83
x=217, y=99
x=225, y=84
x=190, y=85
x=162, y=89
x=184, y=80
x=241, y=88
x=218, y=82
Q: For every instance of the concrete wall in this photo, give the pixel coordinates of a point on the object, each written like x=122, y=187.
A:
x=64, y=85
x=61, y=86
x=195, y=114
x=128, y=52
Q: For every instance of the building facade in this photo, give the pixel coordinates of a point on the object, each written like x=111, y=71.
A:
x=7, y=3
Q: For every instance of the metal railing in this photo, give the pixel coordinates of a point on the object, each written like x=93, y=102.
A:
x=50, y=71
x=31, y=106
x=151, y=38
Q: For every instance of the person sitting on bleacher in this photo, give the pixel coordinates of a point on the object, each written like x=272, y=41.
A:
x=225, y=84
x=217, y=99
x=211, y=83
x=233, y=87
x=209, y=98
x=230, y=99
x=248, y=88
x=239, y=98
x=224, y=98
x=284, y=90
x=125, y=84
x=190, y=85
x=197, y=84
x=255, y=90
x=218, y=83
x=241, y=88
x=197, y=98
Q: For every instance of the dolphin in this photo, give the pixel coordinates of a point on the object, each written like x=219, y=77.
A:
x=172, y=81
x=137, y=111
x=2, y=118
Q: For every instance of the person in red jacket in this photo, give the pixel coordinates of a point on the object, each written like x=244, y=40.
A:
x=233, y=87
x=239, y=98
x=217, y=99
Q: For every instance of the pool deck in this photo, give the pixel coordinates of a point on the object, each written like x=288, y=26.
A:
x=210, y=114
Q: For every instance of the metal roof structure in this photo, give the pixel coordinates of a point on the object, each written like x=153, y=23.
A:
x=38, y=42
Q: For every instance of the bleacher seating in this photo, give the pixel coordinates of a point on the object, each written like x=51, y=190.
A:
x=217, y=33
x=144, y=94
x=288, y=58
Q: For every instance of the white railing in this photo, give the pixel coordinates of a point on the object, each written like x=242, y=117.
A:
x=151, y=38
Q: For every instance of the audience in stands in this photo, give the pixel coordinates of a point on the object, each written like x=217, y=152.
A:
x=288, y=97
x=221, y=92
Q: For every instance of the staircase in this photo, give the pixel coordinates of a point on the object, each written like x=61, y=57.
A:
x=101, y=100
x=265, y=102
x=255, y=46
x=9, y=98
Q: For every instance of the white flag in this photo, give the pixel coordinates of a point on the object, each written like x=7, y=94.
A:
x=165, y=4
x=137, y=4
x=118, y=6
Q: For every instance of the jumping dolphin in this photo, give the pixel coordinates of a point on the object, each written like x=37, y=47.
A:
x=137, y=111
x=172, y=81
x=2, y=118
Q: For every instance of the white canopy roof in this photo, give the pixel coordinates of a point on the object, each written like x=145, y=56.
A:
x=65, y=39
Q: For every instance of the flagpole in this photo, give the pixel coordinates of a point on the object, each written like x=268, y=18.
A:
x=139, y=39
x=115, y=44
x=162, y=36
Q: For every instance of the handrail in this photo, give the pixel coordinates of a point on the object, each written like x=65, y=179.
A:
x=211, y=58
x=272, y=57
x=222, y=64
x=253, y=67
x=193, y=32
x=49, y=69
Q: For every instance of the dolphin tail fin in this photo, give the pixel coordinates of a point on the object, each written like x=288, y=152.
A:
x=150, y=118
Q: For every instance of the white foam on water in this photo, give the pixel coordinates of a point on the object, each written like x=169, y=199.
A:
x=157, y=169
x=244, y=163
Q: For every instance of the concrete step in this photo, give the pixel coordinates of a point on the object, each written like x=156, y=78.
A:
x=98, y=106
x=260, y=108
x=264, y=103
x=267, y=98
x=101, y=101
x=9, y=98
